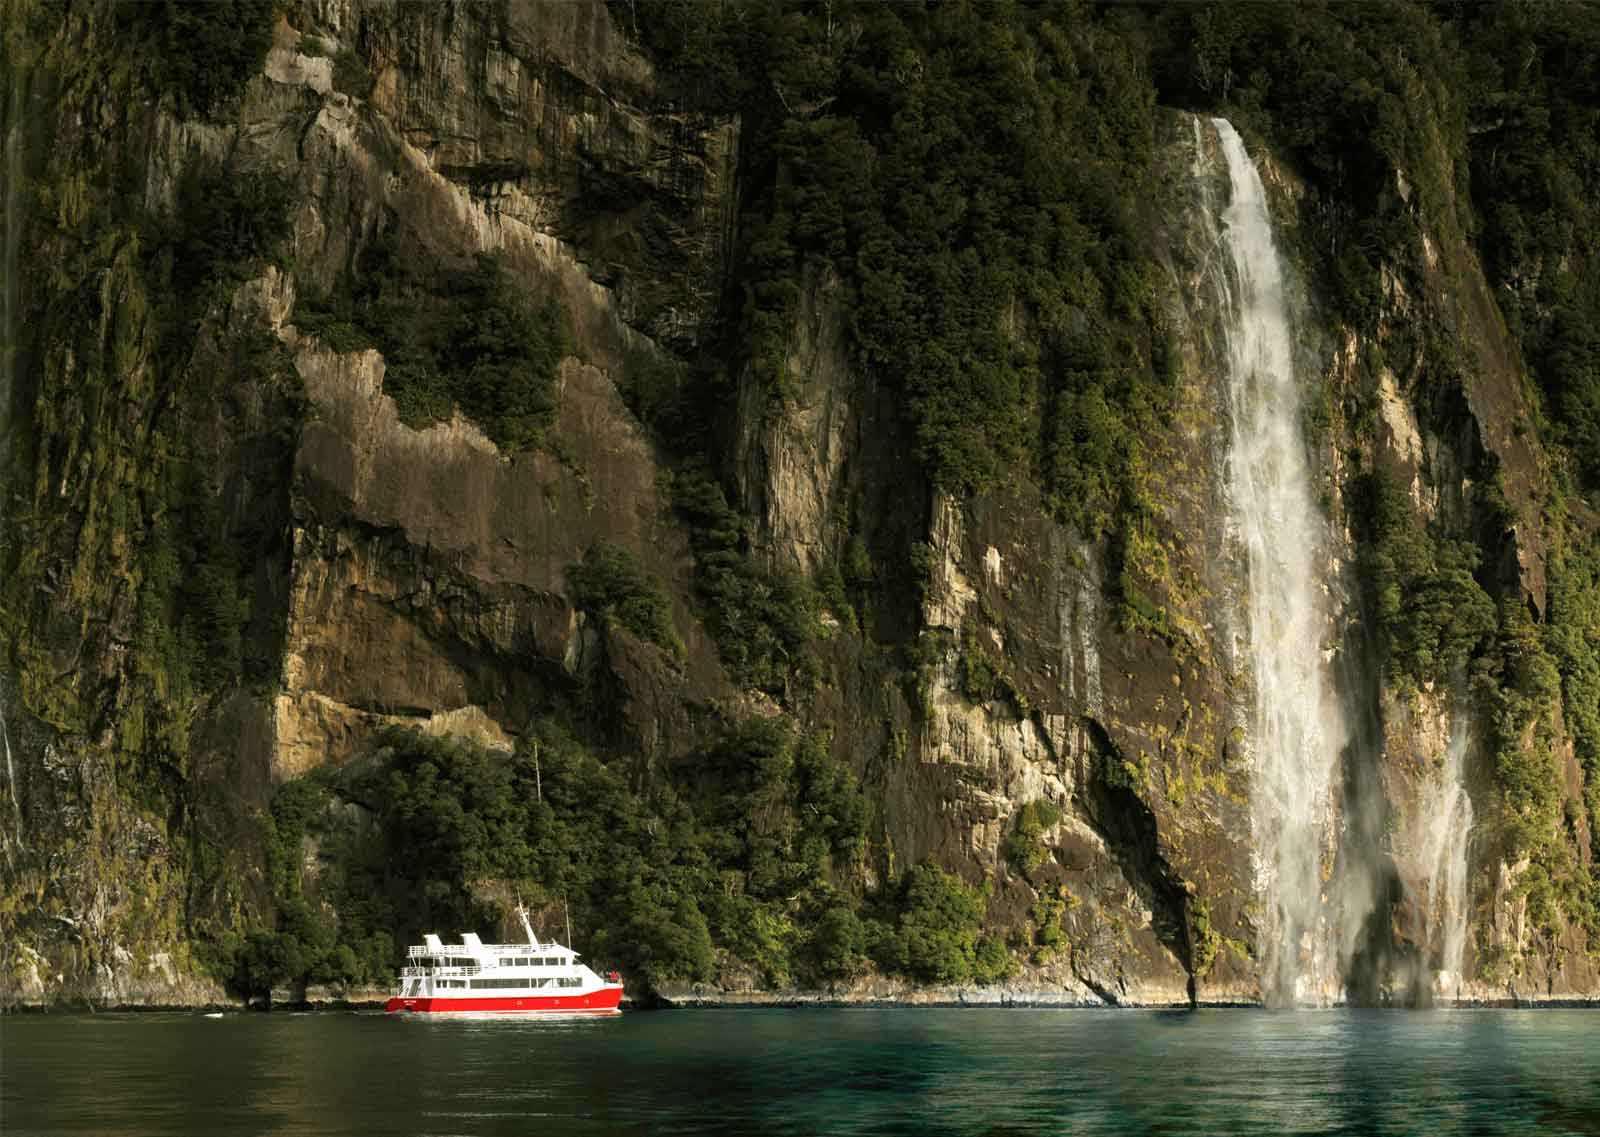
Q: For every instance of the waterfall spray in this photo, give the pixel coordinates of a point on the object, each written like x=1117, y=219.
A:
x=1445, y=812
x=1296, y=730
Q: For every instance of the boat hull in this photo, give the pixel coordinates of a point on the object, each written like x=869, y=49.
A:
x=602, y=1002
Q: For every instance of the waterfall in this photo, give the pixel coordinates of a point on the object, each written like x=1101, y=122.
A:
x=1296, y=730
x=1445, y=814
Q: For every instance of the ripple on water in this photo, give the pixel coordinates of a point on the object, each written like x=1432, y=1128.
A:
x=841, y=1071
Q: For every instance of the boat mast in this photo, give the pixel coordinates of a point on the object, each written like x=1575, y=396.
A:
x=527, y=926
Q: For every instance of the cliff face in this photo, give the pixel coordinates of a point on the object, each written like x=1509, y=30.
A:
x=413, y=576
x=1006, y=709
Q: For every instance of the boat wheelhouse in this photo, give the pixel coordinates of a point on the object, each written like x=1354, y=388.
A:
x=473, y=977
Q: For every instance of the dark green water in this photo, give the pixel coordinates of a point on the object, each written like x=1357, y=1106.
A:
x=807, y=1071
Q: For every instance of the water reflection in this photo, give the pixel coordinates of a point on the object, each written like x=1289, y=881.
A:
x=808, y=1072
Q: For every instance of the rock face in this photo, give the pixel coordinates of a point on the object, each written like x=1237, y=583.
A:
x=418, y=576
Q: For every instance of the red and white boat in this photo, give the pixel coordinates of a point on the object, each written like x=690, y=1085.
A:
x=473, y=977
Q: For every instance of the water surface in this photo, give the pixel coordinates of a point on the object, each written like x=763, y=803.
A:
x=835, y=1071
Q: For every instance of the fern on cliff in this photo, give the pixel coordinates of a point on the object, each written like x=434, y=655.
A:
x=611, y=586
x=450, y=338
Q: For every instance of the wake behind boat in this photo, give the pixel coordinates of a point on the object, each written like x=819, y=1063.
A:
x=473, y=977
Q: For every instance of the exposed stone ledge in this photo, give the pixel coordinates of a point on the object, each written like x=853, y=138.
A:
x=899, y=993
x=312, y=728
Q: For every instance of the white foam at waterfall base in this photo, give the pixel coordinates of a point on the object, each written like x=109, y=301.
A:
x=1296, y=729
x=1445, y=811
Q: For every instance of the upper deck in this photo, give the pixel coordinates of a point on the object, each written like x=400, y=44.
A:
x=473, y=952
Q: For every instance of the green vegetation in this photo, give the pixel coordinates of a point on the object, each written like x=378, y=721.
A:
x=1574, y=639
x=1432, y=614
x=449, y=338
x=846, y=587
x=195, y=609
x=1024, y=847
x=735, y=851
x=307, y=942
x=201, y=54
x=1533, y=105
x=984, y=674
x=1352, y=94
x=1516, y=684
x=224, y=223
x=735, y=857
x=1048, y=938
x=964, y=173
x=157, y=516
x=350, y=74
x=611, y=586
x=937, y=935
x=1204, y=939
x=1495, y=105
x=1538, y=818
x=152, y=472
x=840, y=945
x=1140, y=566
x=763, y=622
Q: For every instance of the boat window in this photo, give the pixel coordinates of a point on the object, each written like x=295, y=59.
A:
x=569, y=982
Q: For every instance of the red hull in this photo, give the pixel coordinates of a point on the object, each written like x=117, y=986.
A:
x=601, y=1002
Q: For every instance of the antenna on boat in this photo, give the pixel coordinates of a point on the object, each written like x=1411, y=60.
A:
x=568, y=913
x=527, y=926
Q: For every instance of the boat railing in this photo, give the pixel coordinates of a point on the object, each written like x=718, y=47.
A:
x=501, y=951
x=438, y=972
x=418, y=951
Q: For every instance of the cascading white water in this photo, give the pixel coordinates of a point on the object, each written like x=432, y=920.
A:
x=1296, y=728
x=1445, y=814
